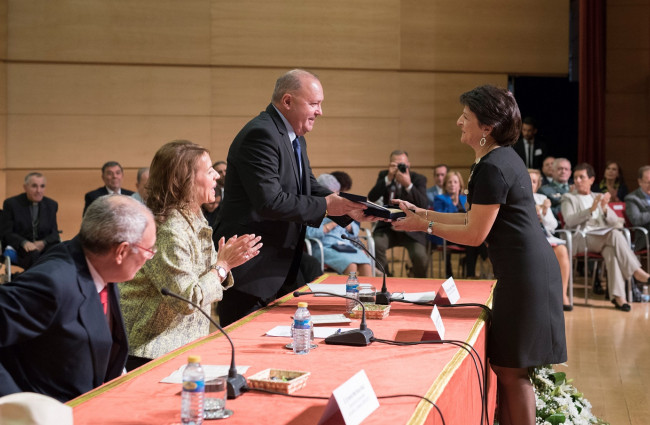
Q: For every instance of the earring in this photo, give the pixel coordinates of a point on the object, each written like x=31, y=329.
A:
x=482, y=141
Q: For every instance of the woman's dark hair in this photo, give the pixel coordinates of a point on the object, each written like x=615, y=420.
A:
x=587, y=167
x=171, y=178
x=619, y=179
x=497, y=108
x=344, y=180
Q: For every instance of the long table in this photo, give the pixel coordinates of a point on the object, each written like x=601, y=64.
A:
x=445, y=374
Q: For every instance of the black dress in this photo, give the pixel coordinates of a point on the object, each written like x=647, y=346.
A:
x=528, y=320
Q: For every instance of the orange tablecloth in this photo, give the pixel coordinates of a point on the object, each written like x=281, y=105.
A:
x=444, y=374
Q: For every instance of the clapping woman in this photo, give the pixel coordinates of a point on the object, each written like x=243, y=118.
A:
x=528, y=323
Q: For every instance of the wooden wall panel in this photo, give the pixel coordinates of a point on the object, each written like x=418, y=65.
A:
x=627, y=26
x=73, y=142
x=517, y=37
x=333, y=34
x=626, y=115
x=628, y=70
x=61, y=89
x=3, y=29
x=121, y=31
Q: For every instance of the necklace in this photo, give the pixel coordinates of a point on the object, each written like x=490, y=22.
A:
x=471, y=172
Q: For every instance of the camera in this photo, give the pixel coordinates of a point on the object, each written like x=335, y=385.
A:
x=401, y=167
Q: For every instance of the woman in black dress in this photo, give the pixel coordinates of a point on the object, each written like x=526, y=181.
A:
x=528, y=321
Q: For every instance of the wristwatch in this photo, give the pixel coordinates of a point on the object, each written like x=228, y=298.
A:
x=430, y=228
x=220, y=271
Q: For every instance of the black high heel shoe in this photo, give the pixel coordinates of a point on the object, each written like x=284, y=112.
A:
x=625, y=307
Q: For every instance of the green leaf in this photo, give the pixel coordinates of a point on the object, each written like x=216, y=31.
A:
x=555, y=419
x=558, y=377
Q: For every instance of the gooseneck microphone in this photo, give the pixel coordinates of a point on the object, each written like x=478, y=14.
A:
x=356, y=337
x=382, y=297
x=236, y=382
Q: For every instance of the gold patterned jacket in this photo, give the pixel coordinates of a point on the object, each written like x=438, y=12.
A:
x=157, y=324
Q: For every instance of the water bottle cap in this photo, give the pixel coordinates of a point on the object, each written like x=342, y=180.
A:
x=302, y=304
x=194, y=359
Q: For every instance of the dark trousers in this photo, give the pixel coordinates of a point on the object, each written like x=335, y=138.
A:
x=236, y=304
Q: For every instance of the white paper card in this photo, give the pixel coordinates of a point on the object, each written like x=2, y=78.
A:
x=211, y=372
x=437, y=322
x=415, y=297
x=319, y=332
x=338, y=289
x=356, y=398
x=451, y=290
x=324, y=319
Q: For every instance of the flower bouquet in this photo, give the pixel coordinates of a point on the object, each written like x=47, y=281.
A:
x=559, y=402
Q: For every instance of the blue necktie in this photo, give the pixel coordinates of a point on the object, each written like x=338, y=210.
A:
x=296, y=150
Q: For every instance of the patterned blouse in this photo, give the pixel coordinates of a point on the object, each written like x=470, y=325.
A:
x=157, y=324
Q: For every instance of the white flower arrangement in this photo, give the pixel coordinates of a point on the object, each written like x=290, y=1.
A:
x=559, y=402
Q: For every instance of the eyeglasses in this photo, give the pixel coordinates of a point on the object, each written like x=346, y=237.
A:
x=150, y=252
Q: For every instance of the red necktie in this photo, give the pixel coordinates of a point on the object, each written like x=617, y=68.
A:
x=103, y=297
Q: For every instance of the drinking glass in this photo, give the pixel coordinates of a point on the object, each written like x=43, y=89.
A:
x=214, y=402
x=367, y=293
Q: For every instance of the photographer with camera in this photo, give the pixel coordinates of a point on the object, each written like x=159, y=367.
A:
x=399, y=182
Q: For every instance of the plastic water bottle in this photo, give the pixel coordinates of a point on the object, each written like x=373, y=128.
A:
x=193, y=392
x=302, y=329
x=645, y=295
x=351, y=290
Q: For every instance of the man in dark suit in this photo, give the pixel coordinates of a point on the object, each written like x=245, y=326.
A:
x=30, y=221
x=62, y=331
x=399, y=182
x=271, y=192
x=112, y=174
x=637, y=206
x=531, y=150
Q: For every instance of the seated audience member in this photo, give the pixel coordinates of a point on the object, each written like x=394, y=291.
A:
x=29, y=220
x=612, y=182
x=637, y=205
x=344, y=180
x=560, y=184
x=398, y=182
x=589, y=211
x=549, y=224
x=62, y=332
x=184, y=259
x=339, y=254
x=112, y=174
x=221, y=168
x=439, y=173
x=141, y=185
x=530, y=148
x=453, y=201
x=547, y=170
x=211, y=210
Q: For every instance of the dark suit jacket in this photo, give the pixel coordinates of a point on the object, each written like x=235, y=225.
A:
x=94, y=194
x=17, y=219
x=539, y=152
x=54, y=337
x=417, y=196
x=637, y=211
x=262, y=197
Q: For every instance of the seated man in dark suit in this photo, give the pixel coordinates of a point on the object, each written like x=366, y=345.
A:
x=637, y=205
x=30, y=221
x=112, y=174
x=559, y=186
x=62, y=332
x=399, y=182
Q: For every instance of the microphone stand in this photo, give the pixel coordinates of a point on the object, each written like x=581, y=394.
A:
x=356, y=337
x=236, y=382
x=382, y=297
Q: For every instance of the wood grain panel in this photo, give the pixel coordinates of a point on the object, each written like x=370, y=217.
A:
x=627, y=26
x=3, y=29
x=46, y=141
x=628, y=70
x=108, y=90
x=122, y=31
x=626, y=115
x=631, y=153
x=337, y=33
x=526, y=36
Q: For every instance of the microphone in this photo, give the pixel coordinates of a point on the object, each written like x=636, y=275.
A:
x=356, y=337
x=236, y=382
x=382, y=297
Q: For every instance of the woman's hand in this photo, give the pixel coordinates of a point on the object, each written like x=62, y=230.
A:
x=412, y=222
x=237, y=250
x=409, y=205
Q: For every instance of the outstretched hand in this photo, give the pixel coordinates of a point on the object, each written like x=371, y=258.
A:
x=412, y=222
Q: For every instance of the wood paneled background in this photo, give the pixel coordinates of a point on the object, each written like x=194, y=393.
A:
x=87, y=81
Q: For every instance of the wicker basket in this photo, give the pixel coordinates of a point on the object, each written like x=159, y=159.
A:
x=282, y=381
x=373, y=311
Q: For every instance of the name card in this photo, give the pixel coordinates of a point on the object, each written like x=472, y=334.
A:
x=350, y=403
x=437, y=322
x=448, y=293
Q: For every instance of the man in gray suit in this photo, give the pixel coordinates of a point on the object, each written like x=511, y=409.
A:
x=637, y=205
x=559, y=186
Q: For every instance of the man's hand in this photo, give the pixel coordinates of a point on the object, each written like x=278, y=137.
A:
x=392, y=170
x=359, y=216
x=337, y=206
x=403, y=178
x=30, y=246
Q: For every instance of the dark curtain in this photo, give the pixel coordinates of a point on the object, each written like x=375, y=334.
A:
x=591, y=111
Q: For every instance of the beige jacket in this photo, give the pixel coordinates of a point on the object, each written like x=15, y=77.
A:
x=157, y=324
